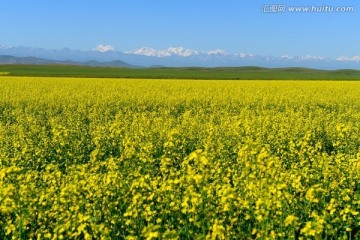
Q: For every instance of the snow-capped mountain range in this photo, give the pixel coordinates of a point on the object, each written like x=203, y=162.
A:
x=171, y=51
x=181, y=57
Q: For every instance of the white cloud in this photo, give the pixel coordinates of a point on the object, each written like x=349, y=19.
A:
x=104, y=48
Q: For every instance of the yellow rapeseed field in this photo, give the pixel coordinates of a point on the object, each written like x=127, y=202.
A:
x=179, y=159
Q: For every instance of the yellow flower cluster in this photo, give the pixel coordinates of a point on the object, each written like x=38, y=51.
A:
x=157, y=159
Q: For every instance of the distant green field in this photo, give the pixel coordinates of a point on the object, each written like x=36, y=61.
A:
x=250, y=73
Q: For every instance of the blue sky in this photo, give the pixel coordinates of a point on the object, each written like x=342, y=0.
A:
x=232, y=25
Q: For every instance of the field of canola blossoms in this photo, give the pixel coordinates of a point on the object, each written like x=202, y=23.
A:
x=179, y=159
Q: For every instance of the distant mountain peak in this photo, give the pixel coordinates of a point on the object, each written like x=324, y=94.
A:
x=104, y=48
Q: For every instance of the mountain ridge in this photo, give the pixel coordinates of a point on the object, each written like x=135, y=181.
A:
x=181, y=57
x=7, y=60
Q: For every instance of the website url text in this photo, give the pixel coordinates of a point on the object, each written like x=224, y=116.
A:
x=281, y=8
